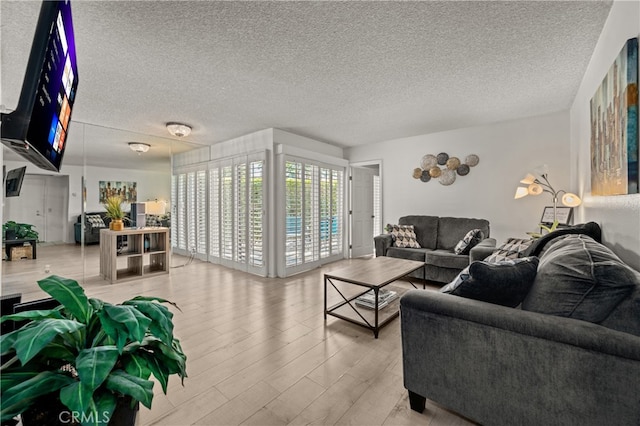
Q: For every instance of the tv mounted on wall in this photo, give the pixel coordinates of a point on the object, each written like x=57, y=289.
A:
x=37, y=129
x=13, y=181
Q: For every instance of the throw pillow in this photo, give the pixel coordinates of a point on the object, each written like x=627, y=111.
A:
x=591, y=229
x=504, y=283
x=579, y=278
x=95, y=220
x=403, y=236
x=152, y=220
x=471, y=239
x=513, y=248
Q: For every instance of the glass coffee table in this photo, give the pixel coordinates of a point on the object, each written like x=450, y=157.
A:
x=369, y=304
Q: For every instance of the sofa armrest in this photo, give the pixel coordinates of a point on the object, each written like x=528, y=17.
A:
x=382, y=242
x=482, y=250
x=549, y=327
x=499, y=365
x=77, y=232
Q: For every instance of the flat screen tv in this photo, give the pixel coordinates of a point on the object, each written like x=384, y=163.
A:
x=37, y=129
x=13, y=182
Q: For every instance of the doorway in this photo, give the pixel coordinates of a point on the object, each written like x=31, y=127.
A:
x=366, y=207
x=42, y=203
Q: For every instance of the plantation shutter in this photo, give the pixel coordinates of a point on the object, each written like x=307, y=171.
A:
x=314, y=213
x=201, y=212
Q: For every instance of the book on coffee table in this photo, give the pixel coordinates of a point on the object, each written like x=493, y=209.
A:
x=368, y=300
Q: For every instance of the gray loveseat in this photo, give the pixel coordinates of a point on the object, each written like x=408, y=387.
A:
x=91, y=230
x=499, y=365
x=438, y=237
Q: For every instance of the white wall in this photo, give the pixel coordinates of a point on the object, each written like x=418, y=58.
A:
x=507, y=151
x=619, y=216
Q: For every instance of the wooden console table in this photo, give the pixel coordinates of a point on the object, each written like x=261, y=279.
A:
x=134, y=253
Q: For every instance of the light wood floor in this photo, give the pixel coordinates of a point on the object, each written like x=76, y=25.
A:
x=259, y=351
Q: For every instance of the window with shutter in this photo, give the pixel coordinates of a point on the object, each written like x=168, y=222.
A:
x=191, y=211
x=201, y=212
x=227, y=213
x=214, y=212
x=255, y=200
x=314, y=212
x=181, y=212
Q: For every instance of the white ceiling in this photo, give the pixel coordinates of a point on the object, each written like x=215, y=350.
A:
x=346, y=73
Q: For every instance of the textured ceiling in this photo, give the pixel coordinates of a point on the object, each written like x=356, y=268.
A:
x=346, y=73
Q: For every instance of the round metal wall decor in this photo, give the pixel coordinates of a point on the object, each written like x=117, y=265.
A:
x=453, y=163
x=442, y=158
x=428, y=161
x=472, y=160
x=430, y=167
x=463, y=170
x=447, y=177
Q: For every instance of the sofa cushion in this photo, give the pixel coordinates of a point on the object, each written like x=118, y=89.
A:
x=579, y=278
x=591, y=229
x=408, y=253
x=504, y=283
x=95, y=220
x=626, y=316
x=425, y=227
x=513, y=248
x=453, y=229
x=403, y=236
x=470, y=240
x=446, y=259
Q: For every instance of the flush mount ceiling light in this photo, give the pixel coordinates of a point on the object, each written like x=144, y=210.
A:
x=139, y=147
x=178, y=129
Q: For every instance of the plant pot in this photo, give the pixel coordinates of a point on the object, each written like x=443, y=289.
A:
x=116, y=225
x=49, y=411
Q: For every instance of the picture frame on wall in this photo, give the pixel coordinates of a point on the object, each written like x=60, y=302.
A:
x=128, y=191
x=563, y=214
x=615, y=140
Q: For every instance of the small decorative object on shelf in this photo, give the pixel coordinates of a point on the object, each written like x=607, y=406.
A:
x=113, y=206
x=430, y=167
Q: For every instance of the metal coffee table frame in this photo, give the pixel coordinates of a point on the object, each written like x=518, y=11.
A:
x=373, y=274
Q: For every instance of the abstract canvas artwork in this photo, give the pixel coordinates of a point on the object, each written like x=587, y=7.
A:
x=128, y=191
x=614, y=127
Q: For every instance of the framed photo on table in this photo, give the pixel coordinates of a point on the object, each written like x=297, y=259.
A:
x=563, y=214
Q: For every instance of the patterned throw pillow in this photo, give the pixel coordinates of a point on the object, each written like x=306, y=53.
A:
x=470, y=240
x=95, y=220
x=152, y=220
x=513, y=248
x=403, y=236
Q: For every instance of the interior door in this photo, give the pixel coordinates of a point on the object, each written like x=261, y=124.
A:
x=56, y=202
x=361, y=211
x=29, y=206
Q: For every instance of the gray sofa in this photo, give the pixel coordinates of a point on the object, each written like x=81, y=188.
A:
x=91, y=232
x=499, y=365
x=438, y=237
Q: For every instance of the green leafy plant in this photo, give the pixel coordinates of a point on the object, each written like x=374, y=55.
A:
x=542, y=226
x=22, y=230
x=88, y=352
x=113, y=206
